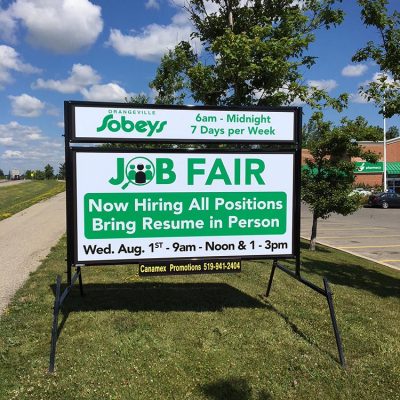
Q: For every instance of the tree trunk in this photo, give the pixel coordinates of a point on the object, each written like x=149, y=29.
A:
x=313, y=238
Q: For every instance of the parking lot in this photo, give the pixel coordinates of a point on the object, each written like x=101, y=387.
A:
x=372, y=233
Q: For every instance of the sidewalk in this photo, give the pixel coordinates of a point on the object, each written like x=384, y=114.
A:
x=25, y=239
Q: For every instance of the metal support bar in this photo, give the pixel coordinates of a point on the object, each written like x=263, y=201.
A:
x=302, y=280
x=298, y=271
x=334, y=323
x=69, y=276
x=271, y=277
x=326, y=292
x=54, y=329
x=79, y=272
x=58, y=302
x=68, y=288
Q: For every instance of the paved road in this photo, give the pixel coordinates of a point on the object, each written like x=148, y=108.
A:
x=25, y=239
x=4, y=183
x=373, y=233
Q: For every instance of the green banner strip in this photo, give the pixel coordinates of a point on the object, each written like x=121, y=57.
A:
x=368, y=168
x=155, y=215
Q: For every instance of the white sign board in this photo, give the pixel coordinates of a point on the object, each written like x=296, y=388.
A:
x=145, y=206
x=174, y=124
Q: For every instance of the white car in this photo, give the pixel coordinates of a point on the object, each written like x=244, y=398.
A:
x=361, y=191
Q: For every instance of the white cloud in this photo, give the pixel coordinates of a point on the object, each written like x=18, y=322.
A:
x=12, y=154
x=14, y=134
x=297, y=102
x=33, y=158
x=80, y=77
x=8, y=26
x=7, y=141
x=60, y=124
x=61, y=26
x=354, y=70
x=152, y=4
x=178, y=3
x=85, y=80
x=108, y=92
x=358, y=98
x=378, y=76
x=209, y=5
x=327, y=85
x=26, y=147
x=154, y=40
x=26, y=106
x=10, y=61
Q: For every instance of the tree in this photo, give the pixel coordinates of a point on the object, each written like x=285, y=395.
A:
x=360, y=128
x=28, y=174
x=392, y=132
x=385, y=90
x=253, y=54
x=327, y=180
x=1, y=173
x=61, y=171
x=48, y=172
x=138, y=99
x=171, y=81
x=38, y=175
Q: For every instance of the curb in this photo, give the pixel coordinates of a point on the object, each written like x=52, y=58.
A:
x=355, y=254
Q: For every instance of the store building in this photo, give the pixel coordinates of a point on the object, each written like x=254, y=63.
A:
x=372, y=174
x=369, y=174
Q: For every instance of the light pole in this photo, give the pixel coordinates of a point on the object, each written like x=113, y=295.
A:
x=384, y=154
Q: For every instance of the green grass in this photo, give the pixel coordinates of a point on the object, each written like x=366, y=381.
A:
x=16, y=198
x=205, y=337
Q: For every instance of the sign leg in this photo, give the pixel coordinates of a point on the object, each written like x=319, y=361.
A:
x=334, y=323
x=271, y=277
x=54, y=330
x=79, y=271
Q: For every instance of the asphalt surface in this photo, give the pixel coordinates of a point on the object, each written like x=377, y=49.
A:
x=372, y=233
x=10, y=183
x=25, y=240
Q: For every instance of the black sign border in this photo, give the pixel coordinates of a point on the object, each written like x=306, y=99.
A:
x=293, y=147
x=72, y=132
x=72, y=228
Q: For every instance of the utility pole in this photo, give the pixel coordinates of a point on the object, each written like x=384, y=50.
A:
x=384, y=147
x=384, y=156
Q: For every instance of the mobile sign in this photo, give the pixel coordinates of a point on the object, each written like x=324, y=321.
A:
x=186, y=211
x=180, y=210
x=104, y=122
x=170, y=205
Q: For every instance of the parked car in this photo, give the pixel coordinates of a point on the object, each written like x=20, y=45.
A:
x=384, y=200
x=361, y=191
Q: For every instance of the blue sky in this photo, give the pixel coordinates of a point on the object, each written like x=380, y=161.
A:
x=57, y=50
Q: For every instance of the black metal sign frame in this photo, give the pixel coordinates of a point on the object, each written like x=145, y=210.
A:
x=74, y=138
x=286, y=146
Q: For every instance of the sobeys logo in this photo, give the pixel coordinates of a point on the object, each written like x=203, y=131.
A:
x=127, y=125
